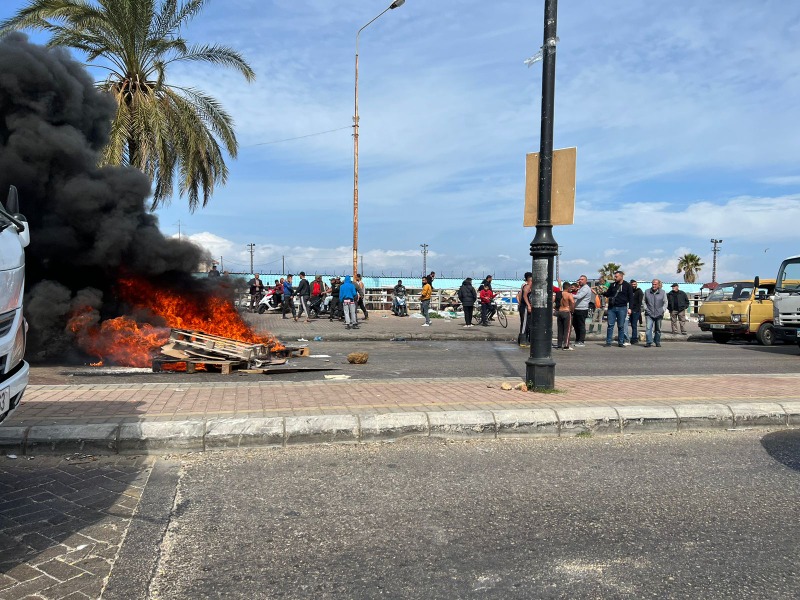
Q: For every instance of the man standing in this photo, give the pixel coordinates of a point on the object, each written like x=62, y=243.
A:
x=524, y=307
x=620, y=298
x=677, y=303
x=256, y=290
x=468, y=296
x=214, y=272
x=348, y=296
x=636, y=311
x=334, y=308
x=288, y=299
x=359, y=283
x=655, y=301
x=583, y=298
x=304, y=293
x=425, y=300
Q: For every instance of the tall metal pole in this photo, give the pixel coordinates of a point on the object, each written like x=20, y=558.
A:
x=714, y=268
x=392, y=6
x=252, y=249
x=424, y=258
x=540, y=368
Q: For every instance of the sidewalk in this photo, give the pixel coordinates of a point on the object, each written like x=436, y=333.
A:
x=166, y=417
x=383, y=326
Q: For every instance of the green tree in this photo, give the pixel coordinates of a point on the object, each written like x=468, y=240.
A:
x=689, y=264
x=167, y=131
x=607, y=271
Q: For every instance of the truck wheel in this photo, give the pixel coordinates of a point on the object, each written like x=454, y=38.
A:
x=766, y=334
x=721, y=337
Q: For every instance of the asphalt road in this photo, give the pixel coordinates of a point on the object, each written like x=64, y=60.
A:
x=691, y=516
x=481, y=358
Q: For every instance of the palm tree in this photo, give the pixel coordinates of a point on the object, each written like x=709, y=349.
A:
x=690, y=264
x=162, y=129
x=607, y=271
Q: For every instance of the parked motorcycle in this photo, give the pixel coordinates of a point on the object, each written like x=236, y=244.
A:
x=400, y=307
x=269, y=302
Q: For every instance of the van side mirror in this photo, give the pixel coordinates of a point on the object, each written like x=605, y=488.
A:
x=756, y=281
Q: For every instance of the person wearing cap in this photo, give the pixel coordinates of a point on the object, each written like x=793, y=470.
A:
x=620, y=300
x=677, y=303
x=467, y=296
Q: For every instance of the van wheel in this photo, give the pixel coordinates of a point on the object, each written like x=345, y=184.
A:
x=766, y=334
x=721, y=337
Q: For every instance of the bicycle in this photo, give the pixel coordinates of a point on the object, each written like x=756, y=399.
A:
x=499, y=311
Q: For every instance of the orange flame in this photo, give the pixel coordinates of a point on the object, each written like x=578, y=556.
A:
x=124, y=341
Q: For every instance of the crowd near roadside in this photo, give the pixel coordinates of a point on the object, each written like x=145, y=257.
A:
x=622, y=303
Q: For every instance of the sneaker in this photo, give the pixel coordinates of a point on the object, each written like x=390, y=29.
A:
x=606, y=345
x=626, y=344
x=621, y=345
x=570, y=348
x=354, y=327
x=658, y=345
x=426, y=325
x=465, y=327
x=648, y=345
x=579, y=344
x=347, y=326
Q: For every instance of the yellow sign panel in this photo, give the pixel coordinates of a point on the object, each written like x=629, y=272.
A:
x=562, y=207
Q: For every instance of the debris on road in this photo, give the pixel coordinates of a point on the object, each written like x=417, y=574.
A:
x=358, y=358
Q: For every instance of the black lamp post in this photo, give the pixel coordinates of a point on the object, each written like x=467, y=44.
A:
x=540, y=368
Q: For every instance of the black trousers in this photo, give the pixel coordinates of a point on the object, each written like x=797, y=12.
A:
x=288, y=304
x=579, y=322
x=468, y=314
x=362, y=307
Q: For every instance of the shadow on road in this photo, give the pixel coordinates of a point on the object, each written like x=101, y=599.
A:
x=784, y=446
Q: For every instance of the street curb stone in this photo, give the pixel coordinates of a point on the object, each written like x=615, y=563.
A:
x=455, y=424
x=638, y=419
x=757, y=414
x=541, y=422
x=392, y=426
x=595, y=420
x=702, y=417
x=154, y=437
x=317, y=429
x=158, y=437
x=240, y=433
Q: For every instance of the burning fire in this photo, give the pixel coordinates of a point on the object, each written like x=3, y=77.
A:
x=124, y=341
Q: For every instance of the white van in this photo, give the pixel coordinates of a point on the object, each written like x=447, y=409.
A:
x=786, y=302
x=14, y=238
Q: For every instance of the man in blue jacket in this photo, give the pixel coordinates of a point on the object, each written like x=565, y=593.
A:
x=348, y=296
x=288, y=298
x=620, y=300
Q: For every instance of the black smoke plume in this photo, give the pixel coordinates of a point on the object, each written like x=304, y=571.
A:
x=88, y=224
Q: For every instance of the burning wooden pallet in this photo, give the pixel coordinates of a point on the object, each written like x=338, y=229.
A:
x=196, y=348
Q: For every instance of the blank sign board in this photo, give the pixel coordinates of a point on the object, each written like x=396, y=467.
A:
x=562, y=207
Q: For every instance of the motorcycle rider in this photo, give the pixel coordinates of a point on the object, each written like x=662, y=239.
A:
x=399, y=291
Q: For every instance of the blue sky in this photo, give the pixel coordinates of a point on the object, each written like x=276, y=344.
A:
x=684, y=115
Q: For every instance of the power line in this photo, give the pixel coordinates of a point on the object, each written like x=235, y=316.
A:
x=301, y=137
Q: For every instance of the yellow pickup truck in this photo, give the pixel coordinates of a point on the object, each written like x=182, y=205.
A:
x=739, y=309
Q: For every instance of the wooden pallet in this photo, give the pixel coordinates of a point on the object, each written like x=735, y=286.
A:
x=226, y=366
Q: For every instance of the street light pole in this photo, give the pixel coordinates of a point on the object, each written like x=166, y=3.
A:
x=540, y=368
x=716, y=251
x=392, y=6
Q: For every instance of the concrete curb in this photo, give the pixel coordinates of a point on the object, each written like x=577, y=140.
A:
x=159, y=437
x=481, y=335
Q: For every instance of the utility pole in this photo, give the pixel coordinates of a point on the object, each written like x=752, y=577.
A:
x=252, y=249
x=714, y=268
x=424, y=259
x=540, y=368
x=283, y=264
x=221, y=264
x=179, y=229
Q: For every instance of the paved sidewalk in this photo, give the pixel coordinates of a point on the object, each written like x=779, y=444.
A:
x=382, y=326
x=113, y=418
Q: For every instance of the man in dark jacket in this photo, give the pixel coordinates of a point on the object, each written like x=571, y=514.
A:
x=620, y=300
x=677, y=303
x=288, y=298
x=467, y=296
x=636, y=311
x=304, y=294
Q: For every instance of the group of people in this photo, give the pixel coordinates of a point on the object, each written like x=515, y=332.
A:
x=340, y=299
x=624, y=302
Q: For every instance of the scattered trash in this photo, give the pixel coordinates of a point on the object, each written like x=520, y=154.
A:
x=81, y=456
x=385, y=317
x=417, y=316
x=302, y=340
x=318, y=338
x=358, y=358
x=506, y=386
x=522, y=387
x=320, y=356
x=11, y=456
x=398, y=339
x=336, y=376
